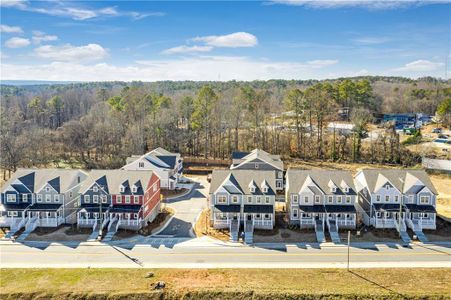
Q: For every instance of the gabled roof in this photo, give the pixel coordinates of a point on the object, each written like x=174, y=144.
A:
x=403, y=180
x=111, y=180
x=34, y=179
x=158, y=157
x=256, y=154
x=320, y=181
x=241, y=179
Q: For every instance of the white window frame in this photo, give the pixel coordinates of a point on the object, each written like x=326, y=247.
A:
x=317, y=199
x=221, y=199
x=306, y=199
x=95, y=189
x=295, y=199
x=48, y=198
x=134, y=189
x=424, y=197
x=378, y=198
x=47, y=189
x=249, y=199
x=256, y=166
x=265, y=190
x=339, y=199
x=95, y=199
x=348, y=199
x=118, y=198
x=234, y=199
x=56, y=198
x=11, y=197
x=387, y=198
x=295, y=214
x=140, y=164
x=258, y=199
x=25, y=198
x=252, y=189
x=122, y=188
x=387, y=187
x=87, y=199
x=396, y=198
x=104, y=199
x=136, y=199
x=127, y=199
x=39, y=198
x=135, y=215
x=330, y=199
x=267, y=199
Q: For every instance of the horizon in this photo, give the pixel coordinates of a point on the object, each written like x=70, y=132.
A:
x=222, y=41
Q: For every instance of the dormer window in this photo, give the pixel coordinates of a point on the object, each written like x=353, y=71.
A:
x=346, y=189
x=265, y=190
x=134, y=189
x=252, y=189
x=122, y=188
x=333, y=189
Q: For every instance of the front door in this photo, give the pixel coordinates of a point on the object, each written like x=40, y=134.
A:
x=249, y=217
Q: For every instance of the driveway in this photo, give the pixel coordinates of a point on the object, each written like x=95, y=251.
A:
x=187, y=209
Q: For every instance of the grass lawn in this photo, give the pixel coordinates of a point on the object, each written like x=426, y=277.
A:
x=219, y=283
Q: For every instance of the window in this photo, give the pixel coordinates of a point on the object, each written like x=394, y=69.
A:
x=48, y=198
x=141, y=165
x=267, y=217
x=127, y=199
x=87, y=200
x=333, y=189
x=252, y=189
x=306, y=199
x=267, y=200
x=122, y=188
x=378, y=214
x=317, y=199
x=279, y=174
x=103, y=198
x=256, y=166
x=249, y=199
x=70, y=194
x=12, y=214
x=221, y=199
x=295, y=214
x=56, y=198
x=424, y=215
x=10, y=198
x=24, y=198
x=378, y=198
x=330, y=199
x=279, y=184
x=95, y=189
x=387, y=198
x=387, y=187
x=257, y=216
x=136, y=199
x=424, y=199
x=119, y=199
x=47, y=189
x=348, y=199
x=346, y=189
x=295, y=198
x=259, y=199
x=95, y=199
x=39, y=198
x=234, y=199
x=396, y=198
x=339, y=199
x=135, y=216
x=265, y=190
x=134, y=189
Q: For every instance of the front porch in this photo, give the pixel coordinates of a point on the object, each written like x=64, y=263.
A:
x=260, y=221
x=128, y=216
x=421, y=217
x=88, y=217
x=223, y=215
x=51, y=217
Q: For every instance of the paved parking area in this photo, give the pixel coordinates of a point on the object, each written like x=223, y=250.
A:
x=187, y=210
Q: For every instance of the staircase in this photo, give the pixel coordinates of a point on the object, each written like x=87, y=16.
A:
x=112, y=229
x=417, y=229
x=333, y=231
x=234, y=230
x=95, y=232
x=30, y=226
x=248, y=232
x=319, y=231
x=16, y=225
x=402, y=231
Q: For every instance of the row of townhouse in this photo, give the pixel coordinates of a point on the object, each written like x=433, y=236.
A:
x=51, y=197
x=319, y=199
x=100, y=199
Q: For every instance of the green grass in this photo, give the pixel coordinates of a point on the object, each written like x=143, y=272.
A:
x=227, y=283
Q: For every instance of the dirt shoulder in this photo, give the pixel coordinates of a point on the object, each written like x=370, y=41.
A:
x=226, y=283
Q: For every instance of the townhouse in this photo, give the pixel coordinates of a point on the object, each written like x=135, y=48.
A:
x=116, y=199
x=242, y=197
x=258, y=160
x=397, y=199
x=40, y=198
x=166, y=165
x=319, y=198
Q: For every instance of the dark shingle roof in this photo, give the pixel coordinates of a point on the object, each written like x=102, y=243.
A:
x=228, y=208
x=340, y=208
x=312, y=208
x=265, y=209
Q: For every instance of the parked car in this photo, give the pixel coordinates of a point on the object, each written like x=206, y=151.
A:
x=437, y=130
x=443, y=136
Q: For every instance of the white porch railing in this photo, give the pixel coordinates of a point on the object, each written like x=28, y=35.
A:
x=307, y=221
x=345, y=222
x=5, y=221
x=83, y=221
x=384, y=223
x=50, y=222
x=263, y=223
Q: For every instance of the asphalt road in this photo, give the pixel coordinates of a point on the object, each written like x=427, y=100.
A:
x=187, y=209
x=204, y=253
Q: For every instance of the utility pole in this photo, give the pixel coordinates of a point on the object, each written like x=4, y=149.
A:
x=349, y=242
x=400, y=213
x=101, y=218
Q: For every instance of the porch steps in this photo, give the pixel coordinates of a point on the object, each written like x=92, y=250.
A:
x=112, y=229
x=234, y=230
x=421, y=236
x=405, y=236
x=248, y=232
x=15, y=227
x=334, y=236
x=95, y=233
x=319, y=231
x=29, y=228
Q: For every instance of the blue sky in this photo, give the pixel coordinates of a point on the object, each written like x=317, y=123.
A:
x=293, y=39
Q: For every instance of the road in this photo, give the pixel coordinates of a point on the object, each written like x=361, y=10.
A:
x=187, y=209
x=207, y=253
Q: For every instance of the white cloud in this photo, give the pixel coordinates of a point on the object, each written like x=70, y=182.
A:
x=368, y=40
x=21, y=4
x=17, y=42
x=320, y=63
x=187, y=49
x=10, y=29
x=39, y=37
x=420, y=65
x=192, y=68
x=3, y=55
x=233, y=40
x=71, y=53
x=369, y=4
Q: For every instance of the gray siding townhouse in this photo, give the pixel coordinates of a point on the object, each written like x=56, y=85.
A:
x=167, y=165
x=397, y=199
x=242, y=197
x=319, y=198
x=40, y=198
x=258, y=159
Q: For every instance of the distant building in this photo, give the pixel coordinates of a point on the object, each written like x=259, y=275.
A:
x=340, y=128
x=406, y=120
x=167, y=165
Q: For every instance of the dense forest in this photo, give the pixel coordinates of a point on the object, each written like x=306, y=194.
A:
x=99, y=124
